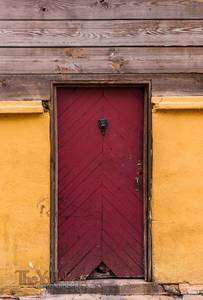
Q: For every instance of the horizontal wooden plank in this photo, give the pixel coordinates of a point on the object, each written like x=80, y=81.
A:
x=101, y=60
x=101, y=33
x=37, y=87
x=21, y=107
x=101, y=9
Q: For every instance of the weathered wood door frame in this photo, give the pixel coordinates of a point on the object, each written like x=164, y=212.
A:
x=105, y=80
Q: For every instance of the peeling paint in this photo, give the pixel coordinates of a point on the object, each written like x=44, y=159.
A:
x=68, y=68
x=30, y=264
x=76, y=52
x=118, y=65
x=117, y=62
x=41, y=205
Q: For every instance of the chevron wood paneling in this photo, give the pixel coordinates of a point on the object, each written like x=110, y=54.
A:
x=100, y=213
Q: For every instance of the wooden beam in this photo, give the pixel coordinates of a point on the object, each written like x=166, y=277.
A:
x=101, y=9
x=37, y=87
x=101, y=33
x=101, y=60
x=21, y=107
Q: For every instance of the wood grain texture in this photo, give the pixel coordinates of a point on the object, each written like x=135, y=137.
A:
x=37, y=87
x=101, y=33
x=101, y=9
x=100, y=211
x=101, y=60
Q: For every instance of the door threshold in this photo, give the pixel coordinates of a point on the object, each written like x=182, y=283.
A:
x=106, y=287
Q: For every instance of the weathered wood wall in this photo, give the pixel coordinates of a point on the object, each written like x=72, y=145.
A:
x=44, y=40
x=100, y=9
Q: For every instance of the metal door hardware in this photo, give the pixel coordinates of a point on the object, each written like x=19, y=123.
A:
x=103, y=124
x=137, y=184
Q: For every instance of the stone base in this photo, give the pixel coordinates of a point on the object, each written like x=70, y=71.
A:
x=109, y=289
x=110, y=297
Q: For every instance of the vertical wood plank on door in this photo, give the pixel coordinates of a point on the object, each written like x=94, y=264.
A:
x=101, y=218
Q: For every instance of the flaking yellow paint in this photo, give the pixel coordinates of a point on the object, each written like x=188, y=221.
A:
x=177, y=196
x=25, y=200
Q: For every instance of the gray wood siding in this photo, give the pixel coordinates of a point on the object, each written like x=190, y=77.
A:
x=101, y=33
x=100, y=9
x=45, y=40
x=101, y=60
x=37, y=87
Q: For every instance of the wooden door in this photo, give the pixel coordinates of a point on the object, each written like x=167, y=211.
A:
x=100, y=184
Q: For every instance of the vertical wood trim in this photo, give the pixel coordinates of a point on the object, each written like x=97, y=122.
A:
x=149, y=153
x=147, y=159
x=145, y=172
x=54, y=187
x=146, y=164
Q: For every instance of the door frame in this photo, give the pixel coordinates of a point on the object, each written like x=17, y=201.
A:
x=87, y=80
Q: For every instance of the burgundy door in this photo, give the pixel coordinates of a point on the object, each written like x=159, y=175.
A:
x=100, y=193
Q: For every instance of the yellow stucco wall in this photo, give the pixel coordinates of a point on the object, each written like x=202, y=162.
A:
x=177, y=197
x=24, y=198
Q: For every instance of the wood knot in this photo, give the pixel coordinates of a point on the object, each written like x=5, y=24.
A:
x=104, y=3
x=3, y=83
x=43, y=9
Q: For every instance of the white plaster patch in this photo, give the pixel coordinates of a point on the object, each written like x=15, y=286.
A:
x=30, y=264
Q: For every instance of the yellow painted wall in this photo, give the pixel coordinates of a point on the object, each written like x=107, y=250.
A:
x=24, y=198
x=177, y=197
